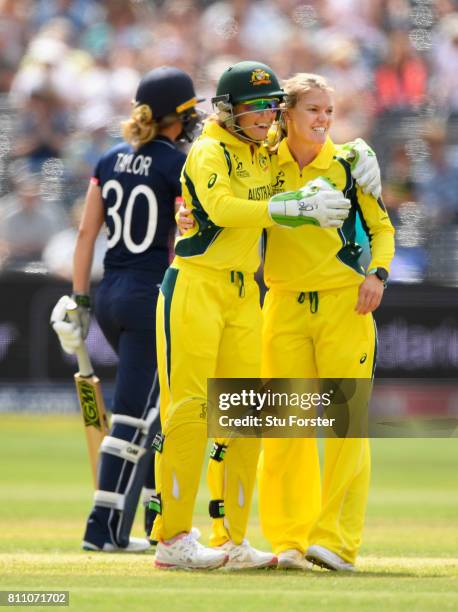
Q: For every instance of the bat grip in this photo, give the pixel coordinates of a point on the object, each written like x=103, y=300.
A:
x=84, y=363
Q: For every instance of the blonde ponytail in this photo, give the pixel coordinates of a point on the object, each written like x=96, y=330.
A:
x=140, y=128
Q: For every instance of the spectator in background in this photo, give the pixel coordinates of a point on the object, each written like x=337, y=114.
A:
x=400, y=87
x=437, y=187
x=401, y=80
x=343, y=68
x=408, y=217
x=91, y=53
x=79, y=13
x=43, y=126
x=445, y=62
x=58, y=253
x=13, y=38
x=28, y=223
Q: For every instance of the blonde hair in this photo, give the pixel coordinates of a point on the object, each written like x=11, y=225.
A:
x=294, y=88
x=140, y=128
x=302, y=83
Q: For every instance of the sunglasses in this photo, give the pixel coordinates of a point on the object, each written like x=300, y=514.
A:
x=261, y=105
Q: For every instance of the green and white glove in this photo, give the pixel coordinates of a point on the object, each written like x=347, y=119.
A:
x=364, y=166
x=318, y=203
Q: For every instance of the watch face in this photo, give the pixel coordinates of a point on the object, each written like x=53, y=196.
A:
x=382, y=274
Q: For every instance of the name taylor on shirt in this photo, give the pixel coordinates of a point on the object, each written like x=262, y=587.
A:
x=133, y=164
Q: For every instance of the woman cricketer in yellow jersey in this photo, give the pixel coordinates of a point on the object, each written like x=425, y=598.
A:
x=208, y=317
x=317, y=323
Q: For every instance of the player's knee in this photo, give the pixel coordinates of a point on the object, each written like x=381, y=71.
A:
x=187, y=412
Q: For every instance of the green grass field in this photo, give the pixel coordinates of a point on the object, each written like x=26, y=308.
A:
x=409, y=560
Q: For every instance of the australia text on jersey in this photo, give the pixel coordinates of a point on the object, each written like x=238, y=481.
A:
x=264, y=192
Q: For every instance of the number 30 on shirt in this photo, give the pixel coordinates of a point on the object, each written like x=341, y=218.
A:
x=122, y=227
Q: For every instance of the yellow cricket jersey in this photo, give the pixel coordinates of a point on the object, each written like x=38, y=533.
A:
x=227, y=183
x=310, y=258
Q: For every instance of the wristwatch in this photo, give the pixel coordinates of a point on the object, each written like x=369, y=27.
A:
x=380, y=273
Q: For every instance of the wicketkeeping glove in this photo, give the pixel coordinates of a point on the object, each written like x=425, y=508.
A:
x=68, y=333
x=364, y=166
x=319, y=203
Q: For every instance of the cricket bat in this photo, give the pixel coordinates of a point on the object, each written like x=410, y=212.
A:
x=90, y=399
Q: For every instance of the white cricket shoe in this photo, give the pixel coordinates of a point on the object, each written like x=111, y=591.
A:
x=185, y=552
x=196, y=533
x=136, y=545
x=293, y=559
x=319, y=555
x=244, y=556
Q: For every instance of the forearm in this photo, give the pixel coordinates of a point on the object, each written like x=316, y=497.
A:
x=382, y=250
x=229, y=211
x=82, y=263
x=91, y=223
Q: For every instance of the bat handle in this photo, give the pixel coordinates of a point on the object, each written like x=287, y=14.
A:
x=84, y=363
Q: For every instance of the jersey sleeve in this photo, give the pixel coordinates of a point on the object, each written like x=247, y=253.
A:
x=175, y=173
x=376, y=222
x=206, y=184
x=95, y=177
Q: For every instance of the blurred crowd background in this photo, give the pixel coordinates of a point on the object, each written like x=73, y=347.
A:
x=69, y=70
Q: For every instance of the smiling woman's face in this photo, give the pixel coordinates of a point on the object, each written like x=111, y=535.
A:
x=310, y=120
x=254, y=124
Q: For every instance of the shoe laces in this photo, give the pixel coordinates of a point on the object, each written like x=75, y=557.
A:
x=230, y=545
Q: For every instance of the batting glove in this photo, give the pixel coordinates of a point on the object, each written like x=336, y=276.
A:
x=319, y=203
x=83, y=302
x=364, y=167
x=68, y=333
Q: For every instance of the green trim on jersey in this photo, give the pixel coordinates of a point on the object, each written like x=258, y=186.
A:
x=263, y=245
x=207, y=230
x=350, y=252
x=227, y=155
x=374, y=363
x=167, y=289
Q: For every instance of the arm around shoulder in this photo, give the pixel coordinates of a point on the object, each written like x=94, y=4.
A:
x=206, y=178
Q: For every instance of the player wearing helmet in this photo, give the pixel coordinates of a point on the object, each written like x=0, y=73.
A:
x=208, y=318
x=133, y=190
x=303, y=334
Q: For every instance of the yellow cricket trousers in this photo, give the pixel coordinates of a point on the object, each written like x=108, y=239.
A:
x=208, y=325
x=315, y=335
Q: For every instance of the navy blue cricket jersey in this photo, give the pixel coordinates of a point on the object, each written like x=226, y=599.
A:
x=139, y=188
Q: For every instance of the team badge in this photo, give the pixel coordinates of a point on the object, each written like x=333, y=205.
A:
x=260, y=77
x=279, y=182
x=212, y=180
x=263, y=162
x=239, y=169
